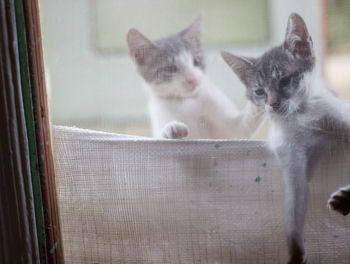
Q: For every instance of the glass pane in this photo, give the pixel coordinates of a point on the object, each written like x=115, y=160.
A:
x=94, y=83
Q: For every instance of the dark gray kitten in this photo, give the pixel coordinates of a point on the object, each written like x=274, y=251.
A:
x=306, y=117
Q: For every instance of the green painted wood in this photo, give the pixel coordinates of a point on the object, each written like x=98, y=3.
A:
x=18, y=235
x=30, y=123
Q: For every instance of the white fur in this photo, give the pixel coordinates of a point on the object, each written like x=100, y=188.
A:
x=175, y=130
x=321, y=102
x=206, y=111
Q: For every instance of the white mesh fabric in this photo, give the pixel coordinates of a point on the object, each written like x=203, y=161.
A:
x=137, y=200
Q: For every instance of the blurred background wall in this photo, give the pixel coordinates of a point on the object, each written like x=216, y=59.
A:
x=94, y=84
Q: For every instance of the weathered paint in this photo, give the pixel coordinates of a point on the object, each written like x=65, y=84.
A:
x=30, y=123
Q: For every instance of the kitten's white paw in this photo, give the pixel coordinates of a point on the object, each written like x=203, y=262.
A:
x=340, y=200
x=175, y=130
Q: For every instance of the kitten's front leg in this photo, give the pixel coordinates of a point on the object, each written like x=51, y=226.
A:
x=340, y=200
x=294, y=166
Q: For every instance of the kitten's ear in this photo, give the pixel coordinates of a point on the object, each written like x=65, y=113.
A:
x=298, y=40
x=139, y=46
x=239, y=65
x=193, y=33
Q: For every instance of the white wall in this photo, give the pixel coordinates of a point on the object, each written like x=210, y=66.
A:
x=84, y=83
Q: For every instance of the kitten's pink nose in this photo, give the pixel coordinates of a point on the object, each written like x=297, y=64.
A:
x=192, y=81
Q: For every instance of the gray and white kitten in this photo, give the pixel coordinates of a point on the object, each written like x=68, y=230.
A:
x=306, y=118
x=182, y=98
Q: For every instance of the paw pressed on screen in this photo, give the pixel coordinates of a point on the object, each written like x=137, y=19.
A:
x=175, y=130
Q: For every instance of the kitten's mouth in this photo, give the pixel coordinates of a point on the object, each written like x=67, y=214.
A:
x=276, y=110
x=279, y=111
x=191, y=88
x=193, y=92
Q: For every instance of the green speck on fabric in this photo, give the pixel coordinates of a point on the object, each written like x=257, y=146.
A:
x=273, y=191
x=335, y=236
x=264, y=164
x=42, y=156
x=247, y=154
x=258, y=179
x=217, y=146
x=181, y=139
x=52, y=250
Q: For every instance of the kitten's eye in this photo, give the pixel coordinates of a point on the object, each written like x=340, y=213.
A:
x=196, y=61
x=284, y=82
x=259, y=92
x=170, y=69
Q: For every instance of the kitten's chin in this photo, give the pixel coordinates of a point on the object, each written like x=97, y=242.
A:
x=187, y=92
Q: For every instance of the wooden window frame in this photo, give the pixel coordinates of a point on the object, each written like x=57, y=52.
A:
x=29, y=219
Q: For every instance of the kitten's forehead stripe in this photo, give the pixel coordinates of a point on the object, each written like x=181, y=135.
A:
x=185, y=59
x=275, y=72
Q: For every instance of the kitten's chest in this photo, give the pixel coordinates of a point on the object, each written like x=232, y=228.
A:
x=187, y=108
x=299, y=133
